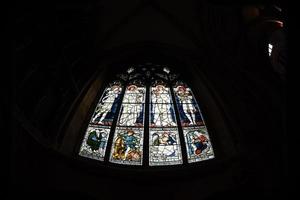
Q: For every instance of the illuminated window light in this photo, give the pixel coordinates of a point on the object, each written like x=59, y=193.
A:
x=270, y=49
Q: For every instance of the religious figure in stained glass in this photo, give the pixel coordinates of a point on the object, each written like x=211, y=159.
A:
x=188, y=109
x=132, y=107
x=162, y=112
x=198, y=144
x=105, y=110
x=165, y=139
x=127, y=146
x=94, y=140
x=164, y=147
x=94, y=143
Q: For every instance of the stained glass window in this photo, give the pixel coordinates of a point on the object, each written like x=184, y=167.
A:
x=127, y=145
x=95, y=139
x=196, y=136
x=147, y=106
x=164, y=139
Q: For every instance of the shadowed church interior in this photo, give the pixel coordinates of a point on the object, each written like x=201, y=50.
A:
x=233, y=56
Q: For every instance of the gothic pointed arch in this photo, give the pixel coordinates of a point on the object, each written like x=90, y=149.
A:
x=147, y=106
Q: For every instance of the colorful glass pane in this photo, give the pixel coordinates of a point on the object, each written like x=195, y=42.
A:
x=164, y=147
x=188, y=109
x=198, y=144
x=128, y=136
x=161, y=108
x=94, y=142
x=134, y=94
x=164, y=144
x=132, y=110
x=96, y=136
x=107, y=106
x=127, y=147
x=160, y=94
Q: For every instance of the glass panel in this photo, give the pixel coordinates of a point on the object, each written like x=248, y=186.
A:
x=134, y=94
x=104, y=114
x=162, y=119
x=183, y=94
x=127, y=146
x=131, y=115
x=96, y=136
x=160, y=94
x=132, y=119
x=132, y=110
x=164, y=143
x=189, y=115
x=132, y=107
x=189, y=112
x=94, y=142
x=106, y=108
x=198, y=144
x=164, y=147
x=161, y=108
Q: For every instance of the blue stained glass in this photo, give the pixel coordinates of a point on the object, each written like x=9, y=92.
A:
x=107, y=106
x=198, y=144
x=95, y=140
